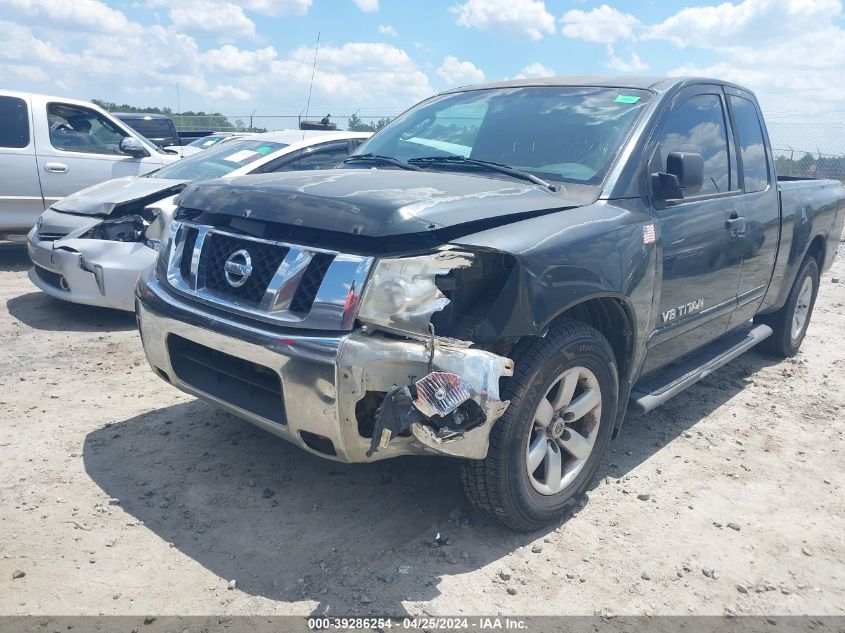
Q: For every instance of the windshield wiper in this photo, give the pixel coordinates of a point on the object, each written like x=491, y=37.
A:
x=499, y=167
x=378, y=158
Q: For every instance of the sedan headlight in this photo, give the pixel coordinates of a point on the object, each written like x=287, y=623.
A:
x=402, y=294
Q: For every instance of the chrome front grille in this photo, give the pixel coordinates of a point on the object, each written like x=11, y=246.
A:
x=264, y=260
x=190, y=240
x=273, y=281
x=309, y=284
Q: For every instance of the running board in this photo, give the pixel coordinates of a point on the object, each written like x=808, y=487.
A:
x=656, y=390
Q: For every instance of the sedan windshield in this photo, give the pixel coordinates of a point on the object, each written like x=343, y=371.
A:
x=205, y=142
x=218, y=161
x=569, y=134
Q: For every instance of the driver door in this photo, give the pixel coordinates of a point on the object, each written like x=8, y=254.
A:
x=72, y=159
x=701, y=261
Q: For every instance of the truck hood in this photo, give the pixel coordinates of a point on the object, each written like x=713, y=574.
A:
x=380, y=202
x=119, y=196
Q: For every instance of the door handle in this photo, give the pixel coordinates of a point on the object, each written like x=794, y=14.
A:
x=55, y=168
x=735, y=224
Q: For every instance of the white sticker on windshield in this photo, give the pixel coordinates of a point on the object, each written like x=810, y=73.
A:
x=241, y=156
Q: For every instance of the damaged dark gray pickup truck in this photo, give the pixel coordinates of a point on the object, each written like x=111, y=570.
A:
x=498, y=275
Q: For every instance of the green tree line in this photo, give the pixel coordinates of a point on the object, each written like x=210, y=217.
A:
x=811, y=166
x=356, y=124
x=188, y=120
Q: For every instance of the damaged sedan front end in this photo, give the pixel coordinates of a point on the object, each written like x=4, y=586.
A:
x=87, y=251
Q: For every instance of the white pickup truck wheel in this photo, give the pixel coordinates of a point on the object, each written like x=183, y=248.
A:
x=546, y=448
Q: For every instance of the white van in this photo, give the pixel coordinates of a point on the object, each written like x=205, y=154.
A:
x=51, y=147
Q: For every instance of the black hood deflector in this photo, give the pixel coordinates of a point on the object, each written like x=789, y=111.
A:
x=378, y=203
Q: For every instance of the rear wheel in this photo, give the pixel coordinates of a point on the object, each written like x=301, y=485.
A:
x=546, y=448
x=789, y=324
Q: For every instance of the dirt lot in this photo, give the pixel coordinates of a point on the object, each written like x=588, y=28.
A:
x=120, y=495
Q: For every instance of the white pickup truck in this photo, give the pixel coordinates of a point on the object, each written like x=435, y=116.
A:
x=51, y=147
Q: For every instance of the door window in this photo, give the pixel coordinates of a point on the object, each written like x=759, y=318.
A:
x=321, y=158
x=755, y=165
x=78, y=129
x=14, y=122
x=698, y=125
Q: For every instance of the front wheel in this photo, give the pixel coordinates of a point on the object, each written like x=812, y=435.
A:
x=546, y=448
x=789, y=324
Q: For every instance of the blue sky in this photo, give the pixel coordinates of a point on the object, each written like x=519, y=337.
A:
x=378, y=57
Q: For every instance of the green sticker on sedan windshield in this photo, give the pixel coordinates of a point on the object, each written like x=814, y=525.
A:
x=626, y=99
x=264, y=149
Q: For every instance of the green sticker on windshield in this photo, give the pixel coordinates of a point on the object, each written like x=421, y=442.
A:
x=264, y=149
x=626, y=99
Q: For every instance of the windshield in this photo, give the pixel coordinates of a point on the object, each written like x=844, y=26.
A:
x=569, y=134
x=218, y=161
x=207, y=141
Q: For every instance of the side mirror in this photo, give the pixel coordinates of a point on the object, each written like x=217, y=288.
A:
x=683, y=177
x=132, y=146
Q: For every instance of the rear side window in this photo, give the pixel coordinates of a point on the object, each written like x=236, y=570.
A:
x=697, y=125
x=321, y=158
x=14, y=122
x=755, y=165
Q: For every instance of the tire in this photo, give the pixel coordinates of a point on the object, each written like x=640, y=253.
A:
x=500, y=485
x=785, y=340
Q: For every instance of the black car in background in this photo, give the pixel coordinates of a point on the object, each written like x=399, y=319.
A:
x=158, y=128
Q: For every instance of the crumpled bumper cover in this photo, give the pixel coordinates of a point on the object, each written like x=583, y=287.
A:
x=323, y=380
x=94, y=272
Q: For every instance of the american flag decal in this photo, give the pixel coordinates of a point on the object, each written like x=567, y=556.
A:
x=648, y=234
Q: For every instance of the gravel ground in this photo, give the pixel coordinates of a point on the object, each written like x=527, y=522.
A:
x=120, y=495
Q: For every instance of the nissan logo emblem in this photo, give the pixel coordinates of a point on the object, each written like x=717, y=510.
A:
x=238, y=268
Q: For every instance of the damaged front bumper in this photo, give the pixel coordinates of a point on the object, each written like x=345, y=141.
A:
x=327, y=393
x=89, y=271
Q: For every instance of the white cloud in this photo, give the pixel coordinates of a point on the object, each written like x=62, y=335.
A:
x=20, y=43
x=223, y=92
x=25, y=72
x=603, y=24
x=230, y=60
x=367, y=6
x=85, y=15
x=519, y=18
x=632, y=64
x=457, y=73
x=535, y=70
x=355, y=74
x=386, y=29
x=278, y=7
x=209, y=16
x=791, y=52
x=750, y=20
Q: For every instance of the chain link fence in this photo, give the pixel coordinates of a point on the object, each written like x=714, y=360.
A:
x=811, y=149
x=274, y=122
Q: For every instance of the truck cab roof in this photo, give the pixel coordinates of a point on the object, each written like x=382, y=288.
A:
x=653, y=83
